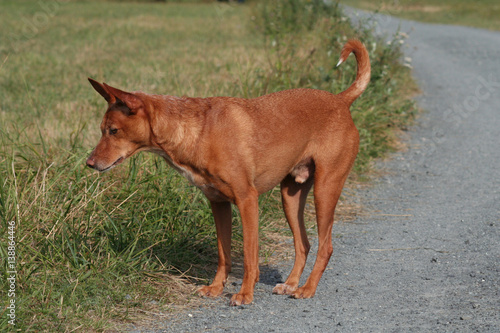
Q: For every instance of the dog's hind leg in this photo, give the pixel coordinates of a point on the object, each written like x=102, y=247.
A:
x=328, y=185
x=294, y=197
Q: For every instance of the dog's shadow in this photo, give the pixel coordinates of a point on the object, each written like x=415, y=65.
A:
x=269, y=275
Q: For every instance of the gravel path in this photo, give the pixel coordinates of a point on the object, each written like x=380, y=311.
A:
x=427, y=256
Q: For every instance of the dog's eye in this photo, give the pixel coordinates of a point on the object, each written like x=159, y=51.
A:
x=112, y=131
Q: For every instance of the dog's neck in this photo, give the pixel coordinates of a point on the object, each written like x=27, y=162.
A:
x=179, y=122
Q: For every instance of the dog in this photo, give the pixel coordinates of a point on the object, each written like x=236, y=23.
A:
x=234, y=149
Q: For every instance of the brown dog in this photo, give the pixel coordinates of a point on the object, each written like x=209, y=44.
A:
x=235, y=149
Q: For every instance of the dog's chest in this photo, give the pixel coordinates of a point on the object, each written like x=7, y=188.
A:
x=185, y=172
x=208, y=188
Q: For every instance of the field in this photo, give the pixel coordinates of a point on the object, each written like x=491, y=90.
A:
x=480, y=14
x=93, y=251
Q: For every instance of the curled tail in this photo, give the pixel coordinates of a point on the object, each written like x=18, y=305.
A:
x=363, y=75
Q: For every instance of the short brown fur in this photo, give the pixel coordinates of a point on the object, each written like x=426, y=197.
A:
x=235, y=149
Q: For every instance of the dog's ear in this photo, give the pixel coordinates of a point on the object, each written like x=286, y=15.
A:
x=127, y=102
x=101, y=89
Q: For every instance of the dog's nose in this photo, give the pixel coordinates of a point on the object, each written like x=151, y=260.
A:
x=90, y=162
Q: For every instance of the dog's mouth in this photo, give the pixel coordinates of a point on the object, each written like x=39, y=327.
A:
x=118, y=161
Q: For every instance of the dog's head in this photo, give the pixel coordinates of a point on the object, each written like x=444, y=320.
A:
x=125, y=128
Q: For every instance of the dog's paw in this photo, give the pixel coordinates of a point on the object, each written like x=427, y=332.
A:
x=304, y=292
x=284, y=289
x=210, y=291
x=241, y=299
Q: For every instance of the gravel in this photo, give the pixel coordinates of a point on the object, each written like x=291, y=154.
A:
x=426, y=256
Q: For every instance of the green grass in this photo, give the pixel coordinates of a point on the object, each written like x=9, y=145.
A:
x=97, y=250
x=480, y=14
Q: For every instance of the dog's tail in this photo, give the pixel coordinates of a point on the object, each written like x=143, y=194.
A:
x=363, y=75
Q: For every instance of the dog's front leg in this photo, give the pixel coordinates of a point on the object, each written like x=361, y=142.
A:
x=222, y=217
x=249, y=210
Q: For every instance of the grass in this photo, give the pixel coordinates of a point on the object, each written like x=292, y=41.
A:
x=94, y=251
x=480, y=14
